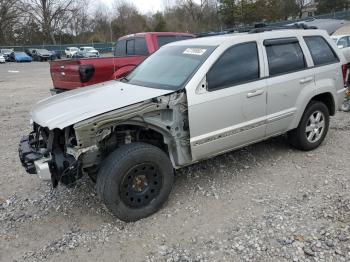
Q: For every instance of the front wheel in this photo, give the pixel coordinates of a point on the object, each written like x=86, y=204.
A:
x=135, y=181
x=312, y=128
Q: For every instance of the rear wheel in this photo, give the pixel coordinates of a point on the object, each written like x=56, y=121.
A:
x=135, y=181
x=312, y=128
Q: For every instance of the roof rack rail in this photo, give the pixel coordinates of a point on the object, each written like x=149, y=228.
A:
x=211, y=34
x=259, y=28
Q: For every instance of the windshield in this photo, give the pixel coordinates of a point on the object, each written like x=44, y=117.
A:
x=170, y=67
x=74, y=49
x=89, y=49
x=42, y=51
x=166, y=39
x=21, y=53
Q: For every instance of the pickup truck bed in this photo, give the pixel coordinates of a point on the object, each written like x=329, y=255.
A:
x=130, y=51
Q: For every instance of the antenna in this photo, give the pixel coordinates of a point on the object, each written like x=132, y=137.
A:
x=111, y=35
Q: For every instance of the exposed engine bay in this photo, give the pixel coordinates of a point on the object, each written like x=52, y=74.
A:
x=66, y=155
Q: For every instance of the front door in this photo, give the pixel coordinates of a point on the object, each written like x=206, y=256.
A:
x=231, y=112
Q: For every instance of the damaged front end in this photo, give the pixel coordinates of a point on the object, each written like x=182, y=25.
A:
x=43, y=152
x=65, y=155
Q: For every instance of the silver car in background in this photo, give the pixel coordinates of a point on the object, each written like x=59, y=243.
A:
x=89, y=51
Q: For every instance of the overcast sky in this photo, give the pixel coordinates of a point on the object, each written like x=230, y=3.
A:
x=144, y=6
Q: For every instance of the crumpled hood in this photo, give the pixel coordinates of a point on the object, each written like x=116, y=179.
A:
x=71, y=107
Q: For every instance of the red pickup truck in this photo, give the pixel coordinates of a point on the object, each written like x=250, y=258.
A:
x=129, y=51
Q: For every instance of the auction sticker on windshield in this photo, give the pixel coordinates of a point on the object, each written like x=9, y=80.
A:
x=194, y=51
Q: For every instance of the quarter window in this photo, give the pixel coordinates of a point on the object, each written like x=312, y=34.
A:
x=130, y=47
x=285, y=57
x=237, y=65
x=320, y=50
x=141, y=46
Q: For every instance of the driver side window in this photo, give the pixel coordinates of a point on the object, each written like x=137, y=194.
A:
x=237, y=65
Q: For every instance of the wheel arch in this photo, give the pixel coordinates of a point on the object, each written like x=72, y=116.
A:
x=162, y=136
x=325, y=97
x=328, y=99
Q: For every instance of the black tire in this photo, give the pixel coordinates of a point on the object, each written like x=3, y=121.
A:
x=298, y=137
x=118, y=181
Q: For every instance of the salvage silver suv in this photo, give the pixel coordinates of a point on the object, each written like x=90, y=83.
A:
x=189, y=101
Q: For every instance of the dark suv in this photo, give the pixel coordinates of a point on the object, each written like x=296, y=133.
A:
x=39, y=54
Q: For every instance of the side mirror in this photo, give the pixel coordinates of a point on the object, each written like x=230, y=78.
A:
x=340, y=46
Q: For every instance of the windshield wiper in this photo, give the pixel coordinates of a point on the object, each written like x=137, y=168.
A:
x=124, y=79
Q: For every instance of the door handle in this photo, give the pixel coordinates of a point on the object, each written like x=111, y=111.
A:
x=255, y=93
x=306, y=80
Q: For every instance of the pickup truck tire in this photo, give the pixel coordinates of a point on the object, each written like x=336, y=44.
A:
x=312, y=128
x=135, y=181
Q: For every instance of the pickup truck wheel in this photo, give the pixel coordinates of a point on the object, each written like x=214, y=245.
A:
x=135, y=181
x=312, y=128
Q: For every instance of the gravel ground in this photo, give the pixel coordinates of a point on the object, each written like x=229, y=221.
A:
x=266, y=202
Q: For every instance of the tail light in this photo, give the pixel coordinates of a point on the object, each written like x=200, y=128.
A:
x=345, y=73
x=86, y=72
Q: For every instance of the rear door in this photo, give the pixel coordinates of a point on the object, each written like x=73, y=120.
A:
x=328, y=73
x=288, y=76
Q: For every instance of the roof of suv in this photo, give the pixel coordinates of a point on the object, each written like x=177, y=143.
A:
x=221, y=39
x=338, y=36
x=157, y=34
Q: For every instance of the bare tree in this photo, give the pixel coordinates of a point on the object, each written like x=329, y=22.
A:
x=101, y=23
x=81, y=22
x=51, y=15
x=8, y=19
x=194, y=15
x=301, y=4
x=128, y=19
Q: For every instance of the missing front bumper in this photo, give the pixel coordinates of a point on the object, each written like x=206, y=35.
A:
x=54, y=165
x=33, y=160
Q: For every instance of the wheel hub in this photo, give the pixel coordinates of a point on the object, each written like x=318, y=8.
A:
x=140, y=185
x=315, y=127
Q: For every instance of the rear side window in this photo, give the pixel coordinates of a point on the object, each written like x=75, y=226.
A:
x=237, y=65
x=120, y=49
x=141, y=46
x=166, y=39
x=285, y=57
x=130, y=47
x=321, y=52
